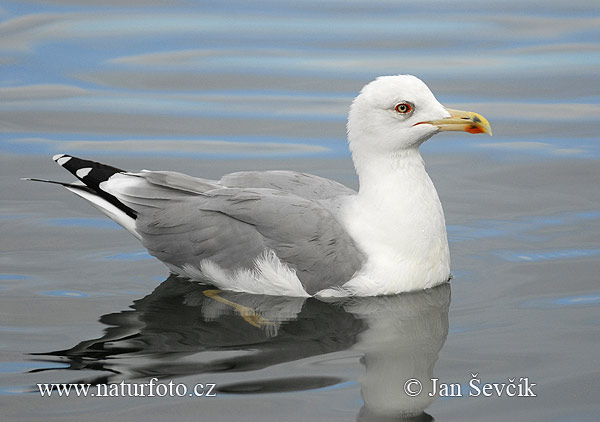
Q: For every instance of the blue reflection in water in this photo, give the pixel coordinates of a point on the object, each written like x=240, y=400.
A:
x=13, y=277
x=526, y=256
x=519, y=229
x=130, y=256
x=96, y=223
x=65, y=293
x=579, y=300
x=562, y=302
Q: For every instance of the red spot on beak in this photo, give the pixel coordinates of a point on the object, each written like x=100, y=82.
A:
x=474, y=129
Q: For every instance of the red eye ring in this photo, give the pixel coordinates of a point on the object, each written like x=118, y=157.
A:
x=403, y=108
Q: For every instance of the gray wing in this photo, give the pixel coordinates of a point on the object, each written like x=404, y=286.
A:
x=233, y=226
x=304, y=185
x=178, y=181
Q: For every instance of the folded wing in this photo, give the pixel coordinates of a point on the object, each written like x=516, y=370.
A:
x=183, y=226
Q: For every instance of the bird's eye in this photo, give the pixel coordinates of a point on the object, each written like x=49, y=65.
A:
x=403, y=108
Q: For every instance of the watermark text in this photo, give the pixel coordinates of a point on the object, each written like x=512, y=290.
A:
x=475, y=387
x=153, y=388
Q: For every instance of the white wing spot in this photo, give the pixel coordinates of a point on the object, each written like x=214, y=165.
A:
x=62, y=160
x=81, y=173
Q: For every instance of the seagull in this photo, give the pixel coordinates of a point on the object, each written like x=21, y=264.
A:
x=288, y=233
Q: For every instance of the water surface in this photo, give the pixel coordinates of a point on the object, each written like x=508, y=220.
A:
x=208, y=89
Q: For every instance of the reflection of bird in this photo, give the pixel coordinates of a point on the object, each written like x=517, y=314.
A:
x=404, y=337
x=181, y=330
x=287, y=233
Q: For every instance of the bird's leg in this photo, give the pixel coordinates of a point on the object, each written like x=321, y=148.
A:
x=249, y=315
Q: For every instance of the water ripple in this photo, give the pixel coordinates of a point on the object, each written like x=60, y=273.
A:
x=551, y=255
x=562, y=302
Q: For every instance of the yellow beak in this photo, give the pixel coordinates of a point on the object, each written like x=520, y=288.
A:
x=466, y=121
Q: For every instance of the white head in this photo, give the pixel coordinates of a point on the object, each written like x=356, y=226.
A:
x=396, y=113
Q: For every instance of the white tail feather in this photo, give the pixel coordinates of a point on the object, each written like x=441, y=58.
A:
x=109, y=210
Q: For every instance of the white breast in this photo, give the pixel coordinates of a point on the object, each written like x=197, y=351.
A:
x=399, y=224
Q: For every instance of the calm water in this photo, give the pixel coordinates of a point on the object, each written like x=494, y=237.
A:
x=212, y=88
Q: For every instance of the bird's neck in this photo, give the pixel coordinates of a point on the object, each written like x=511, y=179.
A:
x=397, y=195
x=386, y=178
x=398, y=222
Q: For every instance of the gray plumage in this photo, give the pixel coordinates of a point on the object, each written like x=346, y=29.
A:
x=183, y=220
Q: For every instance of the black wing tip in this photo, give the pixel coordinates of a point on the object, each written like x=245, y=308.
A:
x=92, y=174
x=82, y=168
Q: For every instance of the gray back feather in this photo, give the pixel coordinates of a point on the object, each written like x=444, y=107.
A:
x=180, y=225
x=304, y=185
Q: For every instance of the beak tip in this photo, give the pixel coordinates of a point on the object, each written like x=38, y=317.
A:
x=466, y=121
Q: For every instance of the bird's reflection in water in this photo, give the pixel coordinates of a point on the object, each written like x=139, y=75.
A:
x=399, y=337
x=403, y=338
